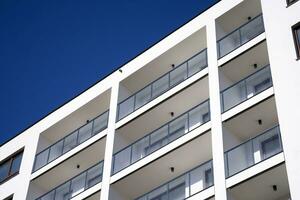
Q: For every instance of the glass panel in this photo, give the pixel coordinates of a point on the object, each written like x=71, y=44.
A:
x=56, y=150
x=63, y=192
x=158, y=139
x=234, y=95
x=258, y=82
x=229, y=43
x=197, y=63
x=94, y=175
x=160, y=193
x=240, y=158
x=142, y=97
x=78, y=185
x=267, y=145
x=4, y=170
x=201, y=178
x=100, y=123
x=70, y=141
x=122, y=159
x=178, y=75
x=252, y=29
x=85, y=132
x=139, y=149
x=48, y=196
x=16, y=164
x=177, y=188
x=178, y=127
x=126, y=107
x=199, y=116
x=160, y=85
x=41, y=159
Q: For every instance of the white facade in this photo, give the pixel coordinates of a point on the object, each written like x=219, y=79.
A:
x=208, y=112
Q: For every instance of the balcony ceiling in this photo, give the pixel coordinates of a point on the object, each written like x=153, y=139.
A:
x=66, y=170
x=158, y=172
x=160, y=115
x=178, y=54
x=237, y=16
x=245, y=125
x=242, y=66
x=78, y=118
x=260, y=187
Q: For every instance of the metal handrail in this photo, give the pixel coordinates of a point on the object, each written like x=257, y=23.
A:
x=169, y=87
x=149, y=134
x=70, y=180
x=63, y=139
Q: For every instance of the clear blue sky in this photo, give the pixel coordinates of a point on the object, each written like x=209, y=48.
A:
x=52, y=50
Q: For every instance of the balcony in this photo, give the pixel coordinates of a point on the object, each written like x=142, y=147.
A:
x=238, y=26
x=167, y=81
x=253, y=151
x=76, y=185
x=139, y=179
x=269, y=185
x=71, y=141
x=162, y=136
x=240, y=36
x=184, y=186
x=246, y=88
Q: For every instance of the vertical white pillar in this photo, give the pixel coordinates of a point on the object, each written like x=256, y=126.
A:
x=109, y=142
x=215, y=109
x=285, y=70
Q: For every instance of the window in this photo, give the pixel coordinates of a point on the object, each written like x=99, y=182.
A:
x=10, y=166
x=289, y=2
x=270, y=146
x=296, y=33
x=208, y=177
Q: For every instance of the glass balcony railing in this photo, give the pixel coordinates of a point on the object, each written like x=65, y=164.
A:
x=76, y=185
x=72, y=140
x=163, y=84
x=161, y=136
x=240, y=36
x=184, y=186
x=246, y=88
x=253, y=151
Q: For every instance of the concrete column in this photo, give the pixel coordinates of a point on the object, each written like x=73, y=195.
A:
x=215, y=110
x=109, y=142
x=285, y=69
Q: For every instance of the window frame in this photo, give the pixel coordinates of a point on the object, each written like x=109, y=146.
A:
x=296, y=28
x=10, y=160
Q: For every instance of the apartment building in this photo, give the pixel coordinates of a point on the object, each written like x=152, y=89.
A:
x=209, y=112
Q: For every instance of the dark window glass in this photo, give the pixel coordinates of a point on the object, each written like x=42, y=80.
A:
x=4, y=170
x=270, y=146
x=289, y=2
x=296, y=32
x=10, y=166
x=15, y=166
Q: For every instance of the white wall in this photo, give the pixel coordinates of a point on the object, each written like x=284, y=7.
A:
x=285, y=72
